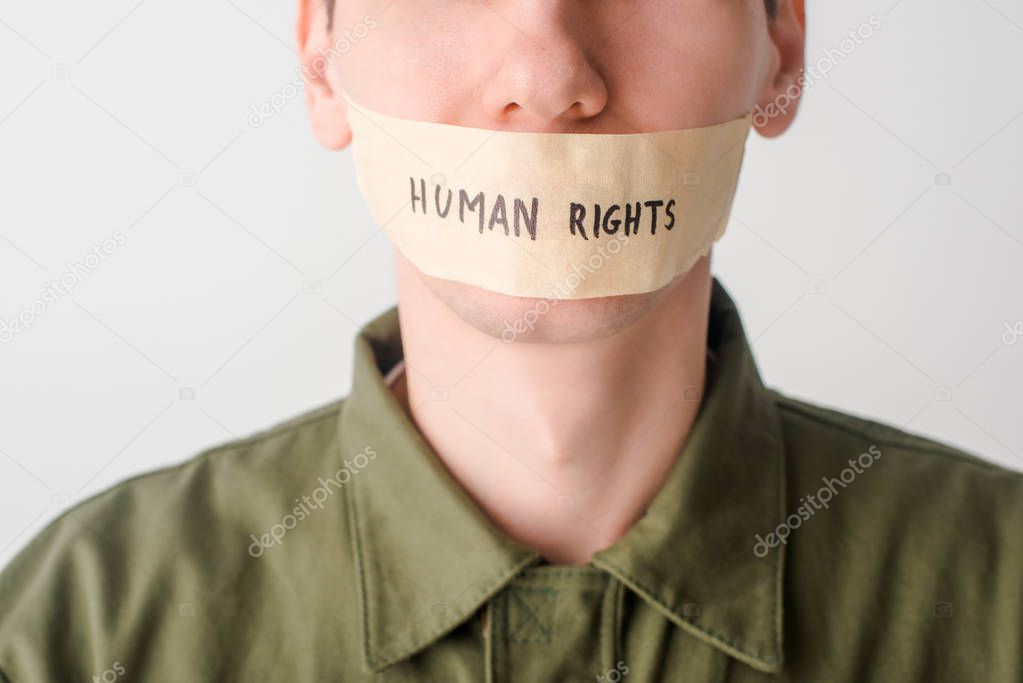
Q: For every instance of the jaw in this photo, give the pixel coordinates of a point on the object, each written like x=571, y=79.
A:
x=539, y=320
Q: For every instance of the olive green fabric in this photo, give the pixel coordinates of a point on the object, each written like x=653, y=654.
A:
x=788, y=543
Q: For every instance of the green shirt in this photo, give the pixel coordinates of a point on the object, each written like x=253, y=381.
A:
x=788, y=543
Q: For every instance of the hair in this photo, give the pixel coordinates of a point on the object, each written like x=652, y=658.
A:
x=771, y=5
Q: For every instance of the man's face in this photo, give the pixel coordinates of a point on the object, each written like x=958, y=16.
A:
x=555, y=66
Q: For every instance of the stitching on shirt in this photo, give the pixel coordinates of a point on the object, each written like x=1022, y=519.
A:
x=619, y=641
x=457, y=616
x=414, y=644
x=329, y=411
x=203, y=458
x=537, y=629
x=489, y=642
x=608, y=618
x=884, y=434
x=715, y=637
x=362, y=577
x=779, y=564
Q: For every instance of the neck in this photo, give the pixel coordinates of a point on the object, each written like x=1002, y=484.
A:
x=563, y=446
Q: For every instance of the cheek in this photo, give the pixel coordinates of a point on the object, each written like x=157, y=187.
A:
x=423, y=61
x=687, y=67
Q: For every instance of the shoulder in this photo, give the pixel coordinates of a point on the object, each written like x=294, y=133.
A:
x=126, y=569
x=818, y=438
x=895, y=478
x=914, y=542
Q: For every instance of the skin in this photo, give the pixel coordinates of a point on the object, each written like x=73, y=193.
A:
x=565, y=436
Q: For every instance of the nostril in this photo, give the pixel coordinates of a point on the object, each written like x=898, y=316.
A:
x=577, y=110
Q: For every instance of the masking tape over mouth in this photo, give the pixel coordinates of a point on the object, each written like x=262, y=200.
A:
x=553, y=215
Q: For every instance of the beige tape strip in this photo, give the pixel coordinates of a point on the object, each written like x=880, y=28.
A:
x=565, y=216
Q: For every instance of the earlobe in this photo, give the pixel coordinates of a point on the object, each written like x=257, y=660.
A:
x=779, y=102
x=328, y=114
x=329, y=118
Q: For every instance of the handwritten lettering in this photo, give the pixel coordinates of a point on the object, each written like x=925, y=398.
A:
x=515, y=216
x=630, y=218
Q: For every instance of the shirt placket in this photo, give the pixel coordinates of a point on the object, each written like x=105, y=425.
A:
x=554, y=624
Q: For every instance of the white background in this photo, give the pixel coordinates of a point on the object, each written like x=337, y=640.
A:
x=108, y=109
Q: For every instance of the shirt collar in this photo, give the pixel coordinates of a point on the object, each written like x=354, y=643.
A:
x=428, y=558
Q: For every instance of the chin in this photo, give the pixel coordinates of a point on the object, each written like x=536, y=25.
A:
x=537, y=320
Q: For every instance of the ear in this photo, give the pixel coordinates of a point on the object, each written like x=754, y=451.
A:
x=327, y=111
x=779, y=101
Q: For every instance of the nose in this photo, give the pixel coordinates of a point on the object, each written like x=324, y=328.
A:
x=542, y=80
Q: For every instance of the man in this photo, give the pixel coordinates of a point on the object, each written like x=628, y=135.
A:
x=532, y=488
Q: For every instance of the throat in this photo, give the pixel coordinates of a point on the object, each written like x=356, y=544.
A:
x=565, y=470
x=563, y=446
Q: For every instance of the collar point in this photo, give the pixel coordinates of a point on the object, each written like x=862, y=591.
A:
x=770, y=665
